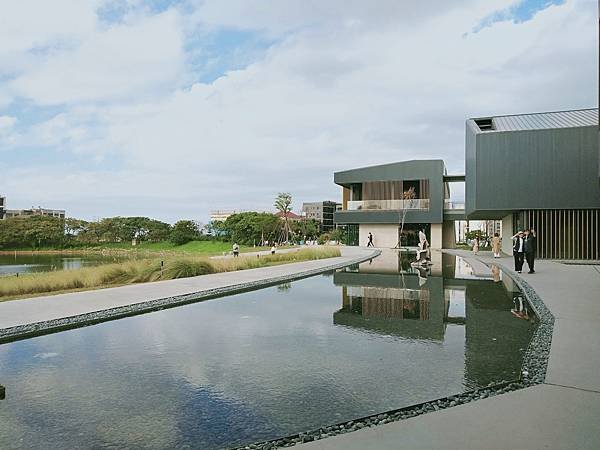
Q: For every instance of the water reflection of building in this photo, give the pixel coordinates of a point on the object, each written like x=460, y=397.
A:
x=389, y=296
x=413, y=305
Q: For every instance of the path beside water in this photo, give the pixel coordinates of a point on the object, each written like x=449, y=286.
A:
x=560, y=413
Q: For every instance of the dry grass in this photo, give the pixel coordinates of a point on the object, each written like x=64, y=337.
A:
x=142, y=271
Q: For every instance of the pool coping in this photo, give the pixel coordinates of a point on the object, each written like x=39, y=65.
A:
x=533, y=372
x=30, y=330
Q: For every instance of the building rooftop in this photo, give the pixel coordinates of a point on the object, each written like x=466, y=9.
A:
x=539, y=121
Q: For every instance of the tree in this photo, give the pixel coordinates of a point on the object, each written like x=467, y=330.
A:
x=32, y=231
x=283, y=202
x=183, y=232
x=339, y=234
x=408, y=198
x=308, y=228
x=250, y=227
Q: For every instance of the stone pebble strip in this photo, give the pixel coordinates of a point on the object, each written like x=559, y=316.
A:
x=52, y=326
x=533, y=371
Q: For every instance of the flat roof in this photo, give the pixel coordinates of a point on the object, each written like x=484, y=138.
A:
x=539, y=121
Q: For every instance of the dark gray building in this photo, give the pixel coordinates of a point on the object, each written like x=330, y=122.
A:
x=2, y=207
x=377, y=199
x=322, y=212
x=538, y=171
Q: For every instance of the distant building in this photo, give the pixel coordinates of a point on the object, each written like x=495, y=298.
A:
x=492, y=227
x=39, y=211
x=221, y=216
x=290, y=215
x=60, y=213
x=321, y=212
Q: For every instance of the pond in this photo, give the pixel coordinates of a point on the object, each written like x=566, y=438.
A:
x=266, y=363
x=11, y=264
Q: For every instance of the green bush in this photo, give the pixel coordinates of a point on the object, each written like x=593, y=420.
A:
x=323, y=239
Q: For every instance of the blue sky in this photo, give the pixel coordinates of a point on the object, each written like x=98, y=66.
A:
x=172, y=108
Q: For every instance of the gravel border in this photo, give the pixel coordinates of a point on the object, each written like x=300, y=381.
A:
x=533, y=371
x=56, y=325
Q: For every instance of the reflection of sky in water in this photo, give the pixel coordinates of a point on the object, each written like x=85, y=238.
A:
x=25, y=263
x=223, y=372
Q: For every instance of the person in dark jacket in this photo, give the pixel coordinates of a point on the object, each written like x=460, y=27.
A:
x=370, y=243
x=518, y=250
x=530, y=247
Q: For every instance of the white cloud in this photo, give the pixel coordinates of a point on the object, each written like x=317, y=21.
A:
x=7, y=123
x=122, y=62
x=365, y=86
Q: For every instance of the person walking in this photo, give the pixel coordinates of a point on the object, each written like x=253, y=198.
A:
x=370, y=243
x=530, y=248
x=475, y=244
x=236, y=250
x=519, y=251
x=496, y=242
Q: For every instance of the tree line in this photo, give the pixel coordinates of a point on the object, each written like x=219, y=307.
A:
x=247, y=228
x=44, y=231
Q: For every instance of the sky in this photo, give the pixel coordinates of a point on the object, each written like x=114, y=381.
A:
x=170, y=109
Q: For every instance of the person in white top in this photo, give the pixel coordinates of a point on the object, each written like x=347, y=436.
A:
x=519, y=250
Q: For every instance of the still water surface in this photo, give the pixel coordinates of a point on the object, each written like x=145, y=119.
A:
x=267, y=363
x=26, y=263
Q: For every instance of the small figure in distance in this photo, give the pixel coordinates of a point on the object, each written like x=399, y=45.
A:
x=370, y=243
x=475, y=245
x=496, y=243
x=236, y=250
x=530, y=247
x=273, y=249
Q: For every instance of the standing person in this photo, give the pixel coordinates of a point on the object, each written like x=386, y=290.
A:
x=496, y=242
x=519, y=250
x=475, y=245
x=530, y=247
x=370, y=243
x=236, y=250
x=273, y=249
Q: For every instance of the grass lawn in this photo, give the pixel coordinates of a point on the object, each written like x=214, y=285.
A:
x=204, y=248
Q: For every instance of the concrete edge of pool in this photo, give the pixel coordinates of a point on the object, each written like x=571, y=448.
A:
x=38, y=328
x=533, y=372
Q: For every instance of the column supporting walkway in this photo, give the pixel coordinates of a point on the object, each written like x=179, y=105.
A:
x=561, y=413
x=33, y=316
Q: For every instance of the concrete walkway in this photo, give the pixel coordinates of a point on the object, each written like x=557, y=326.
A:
x=41, y=309
x=563, y=413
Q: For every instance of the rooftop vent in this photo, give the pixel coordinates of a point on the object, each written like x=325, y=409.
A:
x=485, y=124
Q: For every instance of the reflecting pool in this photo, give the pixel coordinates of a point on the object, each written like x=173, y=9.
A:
x=266, y=363
x=11, y=264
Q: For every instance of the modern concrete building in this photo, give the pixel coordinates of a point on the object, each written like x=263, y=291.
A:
x=538, y=171
x=2, y=206
x=379, y=199
x=322, y=212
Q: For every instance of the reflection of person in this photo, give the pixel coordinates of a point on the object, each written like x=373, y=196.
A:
x=370, y=243
x=236, y=250
x=422, y=237
x=530, y=247
x=520, y=308
x=519, y=250
x=496, y=242
x=475, y=245
x=495, y=273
